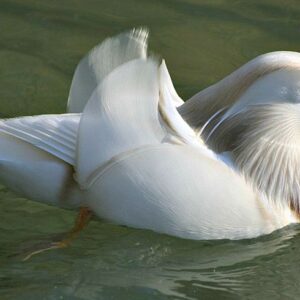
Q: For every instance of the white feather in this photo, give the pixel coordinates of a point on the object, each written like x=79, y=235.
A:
x=167, y=86
x=167, y=106
x=103, y=59
x=179, y=191
x=197, y=110
x=179, y=132
x=282, y=86
x=55, y=134
x=122, y=114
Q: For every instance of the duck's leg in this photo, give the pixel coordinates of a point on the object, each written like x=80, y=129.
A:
x=81, y=221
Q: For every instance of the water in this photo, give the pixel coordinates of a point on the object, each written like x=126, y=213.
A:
x=202, y=41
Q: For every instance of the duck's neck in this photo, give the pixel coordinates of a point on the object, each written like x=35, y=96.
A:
x=197, y=110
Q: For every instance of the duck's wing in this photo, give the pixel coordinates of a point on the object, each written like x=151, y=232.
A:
x=281, y=86
x=269, y=78
x=122, y=114
x=55, y=134
x=265, y=144
x=101, y=60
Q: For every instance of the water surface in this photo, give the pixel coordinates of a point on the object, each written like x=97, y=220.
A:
x=202, y=41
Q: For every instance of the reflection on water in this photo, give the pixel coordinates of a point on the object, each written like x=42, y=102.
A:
x=202, y=40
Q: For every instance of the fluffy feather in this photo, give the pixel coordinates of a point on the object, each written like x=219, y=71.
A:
x=265, y=143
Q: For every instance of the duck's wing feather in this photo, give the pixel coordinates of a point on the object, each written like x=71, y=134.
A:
x=101, y=60
x=166, y=85
x=272, y=77
x=55, y=134
x=179, y=131
x=122, y=114
x=168, y=102
x=281, y=86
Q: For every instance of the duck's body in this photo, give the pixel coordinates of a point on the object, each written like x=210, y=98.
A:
x=185, y=194
x=136, y=162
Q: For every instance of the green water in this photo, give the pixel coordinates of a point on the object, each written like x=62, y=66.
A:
x=202, y=41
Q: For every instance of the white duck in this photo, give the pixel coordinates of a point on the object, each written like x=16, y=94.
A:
x=138, y=163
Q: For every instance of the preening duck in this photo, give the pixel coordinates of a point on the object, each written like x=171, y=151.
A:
x=134, y=154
